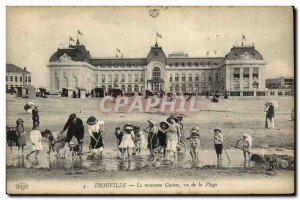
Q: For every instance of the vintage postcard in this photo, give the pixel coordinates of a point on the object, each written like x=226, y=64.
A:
x=150, y=100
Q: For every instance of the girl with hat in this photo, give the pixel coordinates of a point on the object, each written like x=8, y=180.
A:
x=172, y=138
x=162, y=137
x=195, y=143
x=95, y=130
x=139, y=140
x=127, y=140
x=246, y=145
x=152, y=136
x=21, y=141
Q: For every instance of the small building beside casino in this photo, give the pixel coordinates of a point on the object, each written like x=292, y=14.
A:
x=17, y=78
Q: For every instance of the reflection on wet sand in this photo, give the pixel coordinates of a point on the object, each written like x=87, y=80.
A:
x=112, y=163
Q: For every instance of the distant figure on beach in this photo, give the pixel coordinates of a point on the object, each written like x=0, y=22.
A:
x=173, y=138
x=246, y=145
x=119, y=134
x=270, y=115
x=152, y=136
x=127, y=143
x=21, y=140
x=35, y=116
x=11, y=137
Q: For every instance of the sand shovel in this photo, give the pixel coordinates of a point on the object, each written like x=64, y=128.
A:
x=227, y=155
x=254, y=157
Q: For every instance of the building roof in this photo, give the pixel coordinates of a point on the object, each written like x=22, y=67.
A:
x=118, y=61
x=156, y=53
x=76, y=52
x=237, y=51
x=196, y=61
x=15, y=69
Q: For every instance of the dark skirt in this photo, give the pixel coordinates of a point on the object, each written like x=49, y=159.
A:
x=21, y=141
x=11, y=138
x=218, y=148
x=96, y=144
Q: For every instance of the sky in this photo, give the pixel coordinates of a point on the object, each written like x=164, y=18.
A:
x=33, y=34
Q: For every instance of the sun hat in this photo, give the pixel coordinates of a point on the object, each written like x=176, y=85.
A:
x=217, y=129
x=92, y=120
x=195, y=129
x=172, y=117
x=163, y=122
x=71, y=143
x=128, y=126
x=136, y=127
x=245, y=135
x=19, y=120
x=151, y=122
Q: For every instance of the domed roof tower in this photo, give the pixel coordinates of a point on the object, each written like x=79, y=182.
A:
x=156, y=53
x=237, y=52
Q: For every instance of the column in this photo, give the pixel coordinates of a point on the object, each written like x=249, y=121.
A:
x=241, y=81
x=250, y=78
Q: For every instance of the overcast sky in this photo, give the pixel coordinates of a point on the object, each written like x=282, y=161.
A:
x=34, y=34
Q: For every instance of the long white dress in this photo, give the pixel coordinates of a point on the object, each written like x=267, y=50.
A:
x=36, y=140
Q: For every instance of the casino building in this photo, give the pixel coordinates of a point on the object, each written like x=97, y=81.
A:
x=241, y=72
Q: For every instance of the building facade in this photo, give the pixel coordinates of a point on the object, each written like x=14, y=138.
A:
x=241, y=72
x=282, y=86
x=16, y=77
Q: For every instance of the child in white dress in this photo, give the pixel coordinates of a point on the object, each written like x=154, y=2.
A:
x=36, y=140
x=127, y=143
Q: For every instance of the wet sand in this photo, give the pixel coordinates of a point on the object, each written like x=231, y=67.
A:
x=232, y=116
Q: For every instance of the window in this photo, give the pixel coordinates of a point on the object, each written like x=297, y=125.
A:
x=96, y=78
x=183, y=64
x=235, y=94
x=103, y=78
x=171, y=88
x=142, y=78
x=261, y=93
x=209, y=78
x=123, y=78
x=129, y=88
x=109, y=78
x=197, y=77
x=246, y=85
x=16, y=79
x=203, y=78
x=255, y=72
x=196, y=64
x=248, y=93
x=217, y=76
x=171, y=77
x=246, y=72
x=236, y=85
x=176, y=88
x=7, y=78
x=116, y=77
x=183, y=88
x=136, y=78
x=255, y=84
x=21, y=78
x=29, y=79
x=25, y=78
x=136, y=88
x=236, y=73
x=123, y=87
x=129, y=76
x=190, y=87
x=176, y=77
x=190, y=77
x=183, y=77
x=156, y=73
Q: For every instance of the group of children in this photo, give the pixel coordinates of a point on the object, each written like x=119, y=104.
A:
x=167, y=139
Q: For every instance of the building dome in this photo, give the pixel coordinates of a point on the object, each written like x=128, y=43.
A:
x=239, y=52
x=76, y=52
x=156, y=53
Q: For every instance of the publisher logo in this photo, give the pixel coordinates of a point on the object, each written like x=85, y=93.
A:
x=21, y=186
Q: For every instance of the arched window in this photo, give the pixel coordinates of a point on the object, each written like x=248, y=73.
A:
x=171, y=88
x=156, y=73
x=190, y=88
x=129, y=88
x=236, y=85
x=136, y=88
x=123, y=87
x=103, y=87
x=246, y=85
x=255, y=84
x=109, y=87
x=197, y=88
x=176, y=88
x=183, y=88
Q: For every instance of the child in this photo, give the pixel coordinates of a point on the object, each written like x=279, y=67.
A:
x=218, y=141
x=152, y=136
x=195, y=144
x=119, y=135
x=127, y=140
x=11, y=137
x=21, y=142
x=162, y=138
x=138, y=140
x=95, y=130
x=173, y=137
x=36, y=140
x=246, y=145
